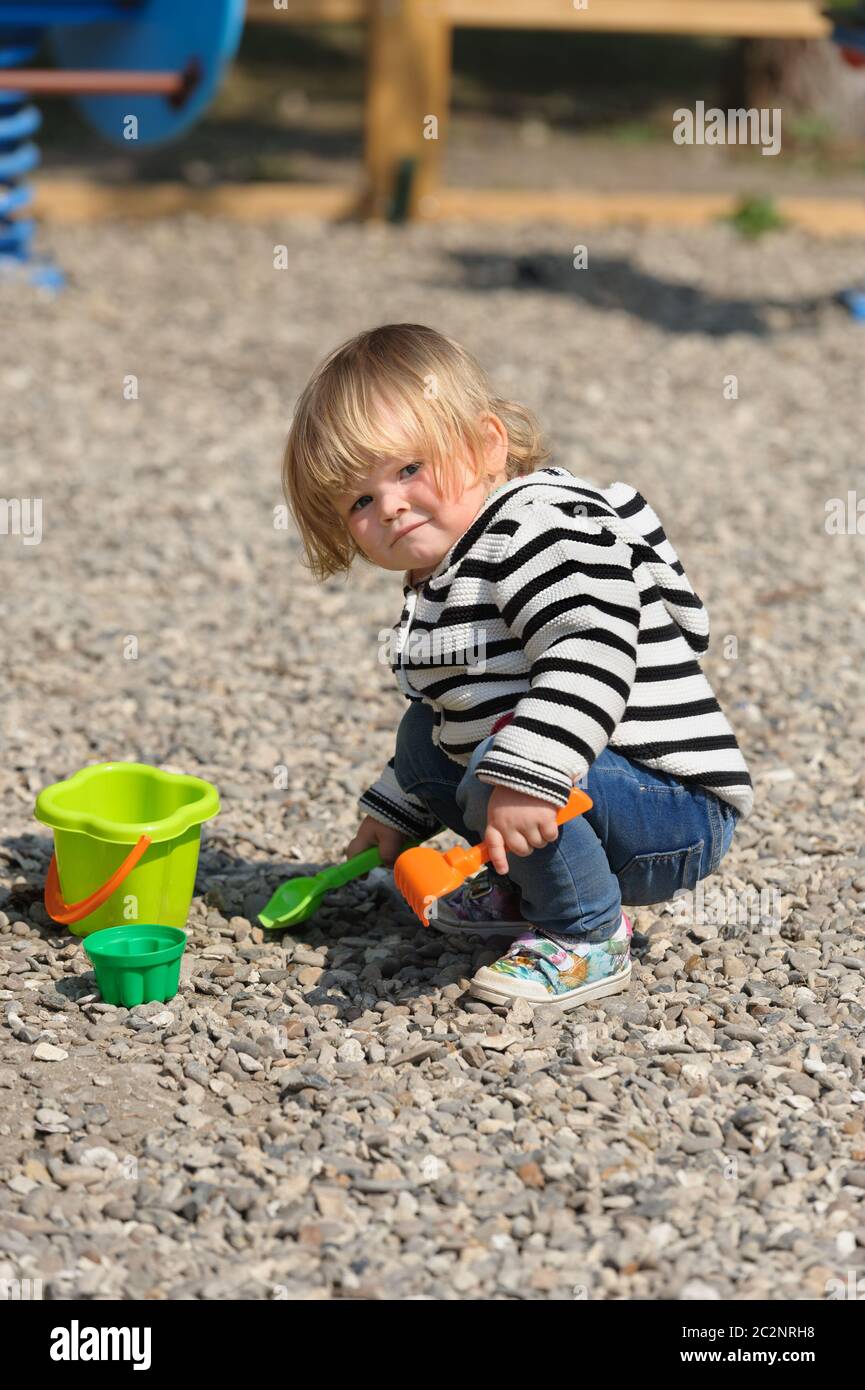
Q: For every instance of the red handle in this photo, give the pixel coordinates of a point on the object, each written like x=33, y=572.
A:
x=73, y=912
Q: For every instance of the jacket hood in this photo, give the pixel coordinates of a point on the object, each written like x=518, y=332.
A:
x=619, y=508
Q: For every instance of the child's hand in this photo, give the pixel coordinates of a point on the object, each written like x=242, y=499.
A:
x=519, y=824
x=374, y=832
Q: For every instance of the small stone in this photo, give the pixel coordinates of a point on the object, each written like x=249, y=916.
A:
x=801, y=1103
x=596, y=1090
x=294, y=1080
x=740, y=1032
x=309, y=976
x=21, y=1184
x=21, y=1031
x=36, y=1170
x=420, y=1053
x=531, y=1175
x=122, y=1210
x=801, y=1085
x=387, y=1172
x=498, y=1042
x=661, y=1233
x=697, y=1290
x=516, y=1096
x=190, y=1115
x=521, y=1012
x=474, y=1055
x=699, y=1040
x=51, y=1121
x=813, y=1062
x=816, y=1015
x=703, y=931
x=98, y=1157
x=734, y=969
x=73, y=1174
x=47, y=1052
x=694, y=1072
x=238, y=1105
x=698, y=1143
x=747, y=1116
x=331, y=1202
x=304, y=955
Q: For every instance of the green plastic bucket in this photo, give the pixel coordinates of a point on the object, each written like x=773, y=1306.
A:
x=135, y=965
x=126, y=842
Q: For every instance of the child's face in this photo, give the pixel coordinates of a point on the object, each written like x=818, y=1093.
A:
x=401, y=522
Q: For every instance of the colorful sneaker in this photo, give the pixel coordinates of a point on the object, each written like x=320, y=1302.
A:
x=481, y=907
x=555, y=970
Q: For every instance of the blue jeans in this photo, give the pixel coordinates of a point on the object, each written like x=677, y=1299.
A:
x=646, y=837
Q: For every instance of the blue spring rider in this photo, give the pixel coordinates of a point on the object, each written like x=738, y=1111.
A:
x=141, y=71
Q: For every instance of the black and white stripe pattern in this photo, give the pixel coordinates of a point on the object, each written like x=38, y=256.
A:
x=566, y=604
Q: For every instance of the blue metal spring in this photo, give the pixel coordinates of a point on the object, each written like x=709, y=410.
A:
x=22, y=25
x=19, y=120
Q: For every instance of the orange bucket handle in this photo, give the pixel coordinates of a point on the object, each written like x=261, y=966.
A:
x=73, y=912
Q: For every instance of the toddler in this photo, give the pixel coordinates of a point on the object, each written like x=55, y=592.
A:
x=549, y=637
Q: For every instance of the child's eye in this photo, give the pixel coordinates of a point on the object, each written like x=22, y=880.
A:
x=363, y=498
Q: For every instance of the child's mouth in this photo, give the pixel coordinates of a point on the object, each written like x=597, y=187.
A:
x=409, y=530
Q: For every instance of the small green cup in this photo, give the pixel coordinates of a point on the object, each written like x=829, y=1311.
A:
x=136, y=964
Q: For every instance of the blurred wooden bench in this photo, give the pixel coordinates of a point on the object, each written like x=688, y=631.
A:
x=409, y=67
x=780, y=19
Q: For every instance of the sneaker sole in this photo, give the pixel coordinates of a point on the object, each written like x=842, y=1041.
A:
x=492, y=993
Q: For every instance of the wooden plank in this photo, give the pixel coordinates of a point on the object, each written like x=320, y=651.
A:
x=68, y=200
x=794, y=19
x=73, y=200
x=428, y=90
x=408, y=100
x=778, y=19
x=823, y=217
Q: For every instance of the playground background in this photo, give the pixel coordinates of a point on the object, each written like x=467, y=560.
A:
x=529, y=109
x=325, y=1115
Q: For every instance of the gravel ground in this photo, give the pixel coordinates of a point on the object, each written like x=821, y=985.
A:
x=328, y=1115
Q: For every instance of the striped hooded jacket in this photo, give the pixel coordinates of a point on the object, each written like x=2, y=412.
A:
x=563, y=619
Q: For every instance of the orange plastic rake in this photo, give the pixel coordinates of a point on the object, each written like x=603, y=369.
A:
x=422, y=875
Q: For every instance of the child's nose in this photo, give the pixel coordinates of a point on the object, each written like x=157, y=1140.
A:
x=391, y=507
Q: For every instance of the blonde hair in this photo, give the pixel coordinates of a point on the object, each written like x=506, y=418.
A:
x=436, y=392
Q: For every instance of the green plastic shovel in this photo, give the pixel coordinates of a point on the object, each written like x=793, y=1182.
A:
x=297, y=900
